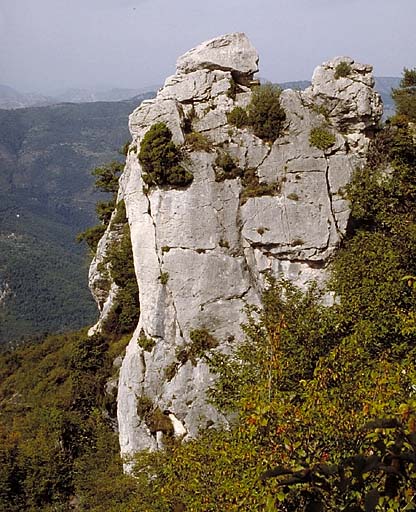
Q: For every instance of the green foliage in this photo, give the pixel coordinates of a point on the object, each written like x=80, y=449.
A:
x=201, y=342
x=238, y=117
x=321, y=138
x=321, y=400
x=125, y=149
x=50, y=187
x=233, y=89
x=197, y=141
x=146, y=343
x=342, y=70
x=253, y=187
x=120, y=217
x=91, y=236
x=164, y=278
x=106, y=181
x=293, y=196
x=143, y=406
x=126, y=310
x=321, y=110
x=50, y=430
x=104, y=210
x=160, y=157
x=225, y=167
x=107, y=176
x=266, y=115
x=405, y=95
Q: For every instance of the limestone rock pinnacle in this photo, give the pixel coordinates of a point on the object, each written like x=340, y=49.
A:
x=216, y=239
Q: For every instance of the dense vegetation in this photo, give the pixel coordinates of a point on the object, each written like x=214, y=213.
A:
x=405, y=95
x=323, y=397
x=46, y=197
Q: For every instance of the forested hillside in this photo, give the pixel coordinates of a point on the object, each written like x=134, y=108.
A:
x=322, y=399
x=47, y=197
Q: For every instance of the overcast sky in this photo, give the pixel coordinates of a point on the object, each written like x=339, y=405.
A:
x=57, y=44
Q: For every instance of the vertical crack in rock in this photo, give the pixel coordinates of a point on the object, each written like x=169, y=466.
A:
x=328, y=188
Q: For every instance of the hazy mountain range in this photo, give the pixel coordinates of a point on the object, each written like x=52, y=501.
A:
x=47, y=196
x=12, y=99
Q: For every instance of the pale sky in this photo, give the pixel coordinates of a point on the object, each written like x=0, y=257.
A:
x=57, y=44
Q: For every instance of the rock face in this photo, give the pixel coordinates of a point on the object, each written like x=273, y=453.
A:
x=201, y=252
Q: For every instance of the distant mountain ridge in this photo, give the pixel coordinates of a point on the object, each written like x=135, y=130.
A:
x=47, y=196
x=11, y=99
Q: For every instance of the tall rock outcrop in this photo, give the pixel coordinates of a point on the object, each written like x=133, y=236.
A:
x=201, y=252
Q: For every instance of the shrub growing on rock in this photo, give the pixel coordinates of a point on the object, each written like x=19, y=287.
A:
x=226, y=168
x=238, y=117
x=342, y=70
x=198, y=142
x=266, y=115
x=160, y=157
x=321, y=138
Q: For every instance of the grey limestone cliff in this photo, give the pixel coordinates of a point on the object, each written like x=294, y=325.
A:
x=211, y=241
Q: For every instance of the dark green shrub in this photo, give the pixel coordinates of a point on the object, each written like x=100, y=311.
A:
x=107, y=176
x=253, y=187
x=92, y=236
x=342, y=70
x=320, y=109
x=106, y=181
x=160, y=157
x=121, y=216
x=405, y=95
x=171, y=370
x=233, y=89
x=157, y=421
x=321, y=138
x=225, y=167
x=238, y=117
x=266, y=115
x=202, y=341
x=126, y=310
x=125, y=149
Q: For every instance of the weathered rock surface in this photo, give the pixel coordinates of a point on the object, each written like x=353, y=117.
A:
x=232, y=52
x=201, y=253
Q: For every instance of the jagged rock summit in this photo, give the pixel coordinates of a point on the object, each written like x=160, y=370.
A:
x=201, y=252
x=232, y=52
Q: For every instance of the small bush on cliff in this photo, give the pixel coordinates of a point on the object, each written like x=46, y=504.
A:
x=321, y=138
x=266, y=115
x=225, y=167
x=107, y=177
x=160, y=157
x=238, y=117
x=197, y=141
x=342, y=70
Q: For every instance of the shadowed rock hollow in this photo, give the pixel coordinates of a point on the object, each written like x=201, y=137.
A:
x=214, y=240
